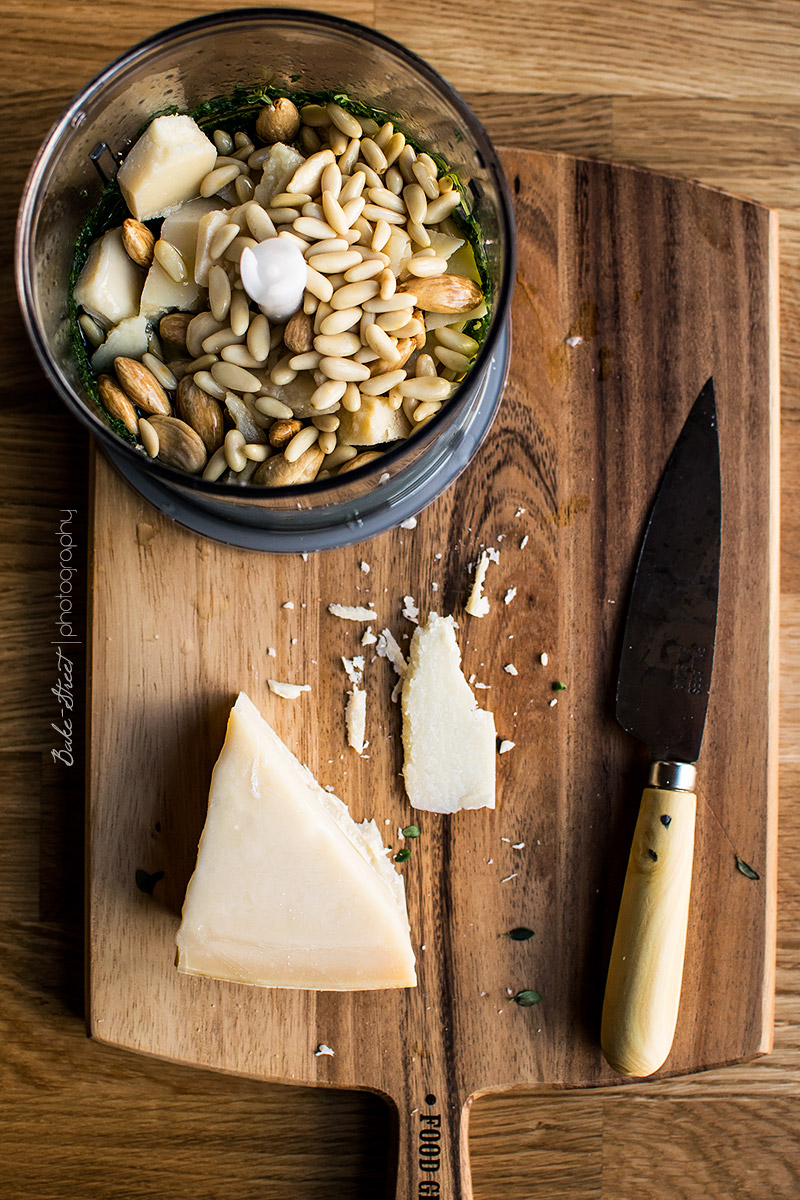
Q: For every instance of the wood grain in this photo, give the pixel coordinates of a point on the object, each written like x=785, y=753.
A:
x=626, y=261
x=119, y=1125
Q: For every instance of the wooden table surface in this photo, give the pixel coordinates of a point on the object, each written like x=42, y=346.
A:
x=709, y=91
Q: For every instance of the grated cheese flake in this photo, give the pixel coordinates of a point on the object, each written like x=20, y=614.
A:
x=351, y=612
x=356, y=718
x=287, y=691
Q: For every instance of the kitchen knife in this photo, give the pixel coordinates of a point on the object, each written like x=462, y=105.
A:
x=662, y=697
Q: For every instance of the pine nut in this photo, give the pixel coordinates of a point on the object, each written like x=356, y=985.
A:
x=240, y=140
x=392, y=321
x=234, y=440
x=259, y=223
x=416, y=202
x=344, y=369
x=160, y=370
x=380, y=342
x=376, y=212
x=378, y=385
x=313, y=228
x=256, y=452
x=351, y=398
x=344, y=120
x=339, y=456
x=327, y=442
x=223, y=141
x=337, y=140
x=381, y=236
x=312, y=209
x=271, y=407
x=394, y=148
x=319, y=285
x=217, y=179
x=394, y=181
x=349, y=157
x=240, y=356
x=223, y=337
x=335, y=215
x=282, y=216
x=426, y=266
x=425, y=387
x=315, y=115
x=364, y=230
x=391, y=304
x=301, y=442
x=326, y=422
x=394, y=399
x=387, y=283
x=307, y=361
x=309, y=141
x=308, y=175
x=425, y=180
x=237, y=379
x=452, y=359
x=337, y=345
x=454, y=340
x=373, y=155
x=364, y=270
x=405, y=163
x=445, y=185
x=244, y=188
x=331, y=264
x=219, y=293
x=239, y=315
x=409, y=406
x=215, y=466
x=328, y=246
x=372, y=177
x=206, y=381
x=234, y=251
x=366, y=355
x=256, y=159
x=442, y=207
x=204, y=363
x=425, y=410
x=149, y=437
x=323, y=310
x=386, y=199
x=282, y=373
x=353, y=294
x=310, y=302
x=425, y=366
x=353, y=188
x=337, y=321
x=353, y=209
x=327, y=395
x=92, y=331
x=171, y=259
x=418, y=234
x=412, y=329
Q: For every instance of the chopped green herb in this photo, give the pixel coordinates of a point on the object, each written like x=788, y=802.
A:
x=402, y=855
x=145, y=882
x=746, y=869
x=527, y=999
x=411, y=831
x=558, y=686
x=520, y=934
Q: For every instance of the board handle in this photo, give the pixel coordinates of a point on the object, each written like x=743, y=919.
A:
x=430, y=1147
x=640, y=1009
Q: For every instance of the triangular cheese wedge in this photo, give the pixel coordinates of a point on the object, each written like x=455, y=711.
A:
x=288, y=890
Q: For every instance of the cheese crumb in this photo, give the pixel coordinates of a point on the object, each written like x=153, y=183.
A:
x=272, y=652
x=354, y=668
x=288, y=604
x=365, y=568
x=410, y=609
x=478, y=605
x=387, y=647
x=356, y=718
x=524, y=542
x=543, y=659
x=409, y=523
x=553, y=702
x=509, y=596
x=349, y=612
x=574, y=341
x=505, y=746
x=518, y=846
x=484, y=686
x=369, y=638
x=323, y=1049
x=288, y=691
x=508, y=878
x=510, y=669
x=520, y=511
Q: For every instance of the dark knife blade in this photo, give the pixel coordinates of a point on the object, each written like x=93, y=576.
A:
x=668, y=647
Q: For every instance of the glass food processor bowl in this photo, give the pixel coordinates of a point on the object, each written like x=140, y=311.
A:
x=182, y=67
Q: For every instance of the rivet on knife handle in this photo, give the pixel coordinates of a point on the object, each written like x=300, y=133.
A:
x=644, y=976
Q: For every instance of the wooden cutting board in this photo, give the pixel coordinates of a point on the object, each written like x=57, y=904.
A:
x=662, y=283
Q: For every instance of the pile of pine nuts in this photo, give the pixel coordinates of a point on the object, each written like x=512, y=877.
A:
x=361, y=205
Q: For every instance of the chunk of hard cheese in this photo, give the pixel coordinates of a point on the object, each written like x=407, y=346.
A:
x=288, y=890
x=126, y=340
x=449, y=742
x=279, y=167
x=110, y=284
x=375, y=422
x=164, y=168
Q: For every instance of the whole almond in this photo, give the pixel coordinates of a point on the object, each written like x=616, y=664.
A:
x=178, y=444
x=202, y=412
x=282, y=432
x=360, y=460
x=138, y=241
x=172, y=331
x=299, y=332
x=445, y=293
x=279, y=472
x=278, y=122
x=117, y=403
x=141, y=386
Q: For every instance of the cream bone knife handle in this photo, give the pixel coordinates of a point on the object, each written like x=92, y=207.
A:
x=643, y=989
